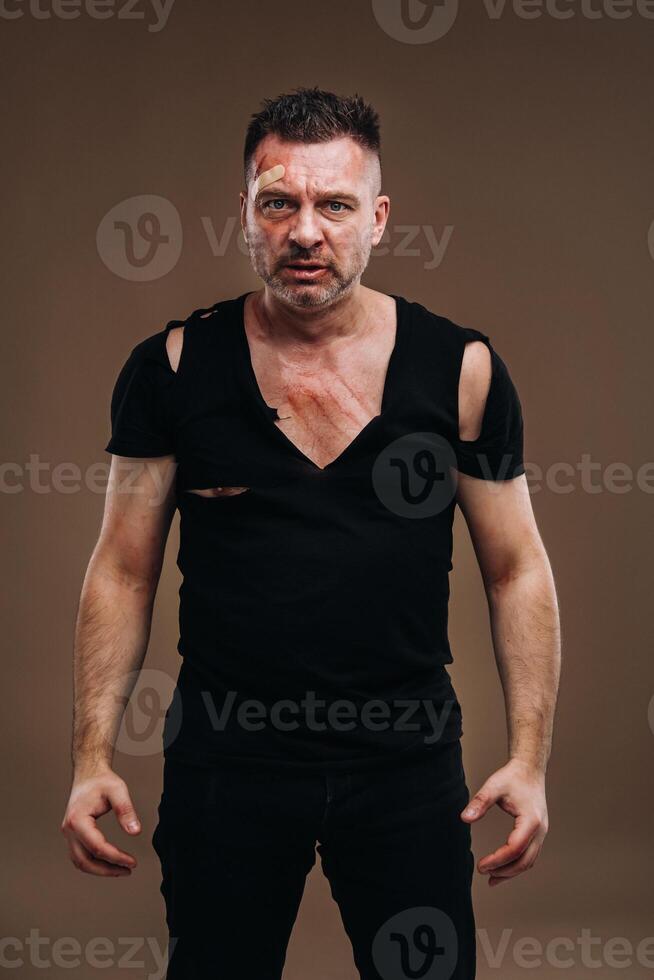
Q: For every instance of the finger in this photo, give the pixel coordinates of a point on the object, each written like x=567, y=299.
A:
x=515, y=868
x=480, y=803
x=123, y=807
x=85, y=862
x=87, y=832
x=515, y=846
x=517, y=842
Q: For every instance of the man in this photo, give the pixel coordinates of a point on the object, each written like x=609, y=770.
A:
x=316, y=436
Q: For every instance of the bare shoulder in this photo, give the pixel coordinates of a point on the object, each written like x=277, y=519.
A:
x=174, y=342
x=474, y=385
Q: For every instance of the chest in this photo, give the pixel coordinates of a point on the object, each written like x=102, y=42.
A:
x=324, y=402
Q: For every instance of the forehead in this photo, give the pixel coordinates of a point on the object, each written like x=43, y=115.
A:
x=309, y=166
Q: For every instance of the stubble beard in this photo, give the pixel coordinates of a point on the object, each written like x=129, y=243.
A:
x=316, y=294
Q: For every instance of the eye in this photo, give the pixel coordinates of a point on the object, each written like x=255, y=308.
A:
x=338, y=204
x=272, y=204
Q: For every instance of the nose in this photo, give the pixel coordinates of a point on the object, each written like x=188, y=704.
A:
x=306, y=232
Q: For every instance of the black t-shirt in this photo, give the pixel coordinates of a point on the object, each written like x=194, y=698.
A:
x=313, y=605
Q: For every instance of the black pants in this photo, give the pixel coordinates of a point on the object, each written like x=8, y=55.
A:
x=236, y=845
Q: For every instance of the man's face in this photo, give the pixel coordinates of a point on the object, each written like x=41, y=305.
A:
x=324, y=213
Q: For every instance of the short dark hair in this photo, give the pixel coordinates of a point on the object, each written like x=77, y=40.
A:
x=312, y=115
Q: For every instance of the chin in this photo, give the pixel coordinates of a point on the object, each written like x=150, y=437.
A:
x=303, y=294
x=306, y=295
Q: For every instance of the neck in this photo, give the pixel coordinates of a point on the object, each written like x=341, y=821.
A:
x=311, y=326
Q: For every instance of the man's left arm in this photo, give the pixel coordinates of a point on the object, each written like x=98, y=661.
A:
x=525, y=627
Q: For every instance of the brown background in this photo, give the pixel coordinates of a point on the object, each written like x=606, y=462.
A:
x=533, y=139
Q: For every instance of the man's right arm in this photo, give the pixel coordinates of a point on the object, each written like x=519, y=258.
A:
x=111, y=637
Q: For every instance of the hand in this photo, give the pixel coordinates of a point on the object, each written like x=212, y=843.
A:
x=90, y=797
x=518, y=789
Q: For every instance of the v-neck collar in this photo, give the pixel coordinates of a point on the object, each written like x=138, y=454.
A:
x=389, y=390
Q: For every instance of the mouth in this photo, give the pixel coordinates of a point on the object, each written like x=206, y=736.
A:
x=306, y=270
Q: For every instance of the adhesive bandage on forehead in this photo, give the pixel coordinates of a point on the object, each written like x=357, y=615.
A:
x=267, y=177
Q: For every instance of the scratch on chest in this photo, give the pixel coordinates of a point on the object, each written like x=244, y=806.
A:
x=341, y=408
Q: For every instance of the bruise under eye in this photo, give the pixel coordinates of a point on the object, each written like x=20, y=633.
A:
x=219, y=491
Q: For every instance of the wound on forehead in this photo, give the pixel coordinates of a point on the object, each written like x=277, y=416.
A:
x=267, y=177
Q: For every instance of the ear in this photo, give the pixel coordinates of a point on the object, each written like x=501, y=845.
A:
x=382, y=208
x=243, y=210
